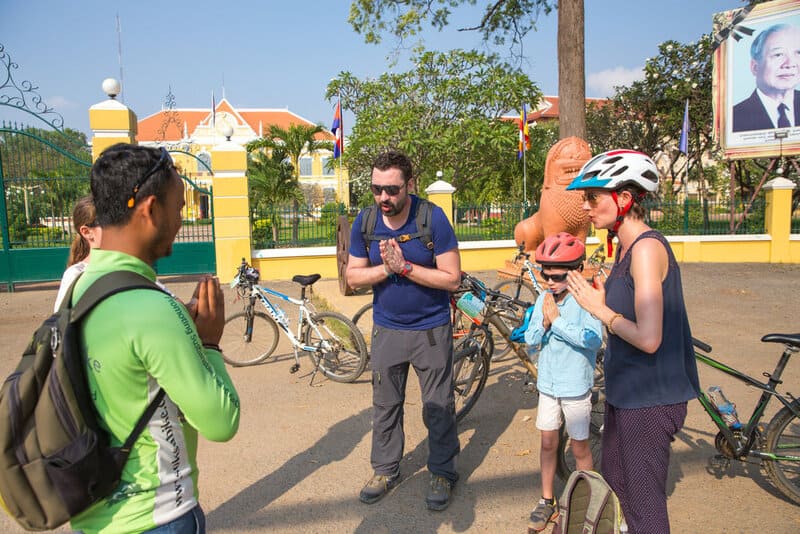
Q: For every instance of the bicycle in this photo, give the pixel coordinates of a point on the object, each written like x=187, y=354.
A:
x=331, y=340
x=498, y=308
x=777, y=445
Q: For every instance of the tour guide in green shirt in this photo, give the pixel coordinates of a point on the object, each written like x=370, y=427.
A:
x=140, y=340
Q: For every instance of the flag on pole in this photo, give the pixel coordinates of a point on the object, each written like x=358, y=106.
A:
x=524, y=137
x=683, y=146
x=336, y=129
x=213, y=111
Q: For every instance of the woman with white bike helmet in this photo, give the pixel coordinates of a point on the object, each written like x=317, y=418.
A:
x=650, y=376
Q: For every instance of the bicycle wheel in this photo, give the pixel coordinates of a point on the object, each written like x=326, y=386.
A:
x=241, y=349
x=341, y=351
x=783, y=445
x=518, y=290
x=364, y=317
x=470, y=370
x=566, y=460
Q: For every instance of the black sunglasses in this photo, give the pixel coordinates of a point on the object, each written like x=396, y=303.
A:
x=391, y=190
x=554, y=277
x=163, y=159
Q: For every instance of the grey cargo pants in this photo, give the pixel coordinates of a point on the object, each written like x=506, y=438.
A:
x=430, y=352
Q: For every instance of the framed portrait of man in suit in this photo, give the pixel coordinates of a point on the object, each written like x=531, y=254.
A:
x=757, y=80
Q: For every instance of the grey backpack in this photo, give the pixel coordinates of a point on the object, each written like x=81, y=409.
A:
x=588, y=505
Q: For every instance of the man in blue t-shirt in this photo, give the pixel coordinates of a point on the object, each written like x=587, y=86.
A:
x=411, y=315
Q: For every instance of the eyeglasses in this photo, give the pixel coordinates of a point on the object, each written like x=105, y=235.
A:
x=554, y=277
x=391, y=190
x=163, y=159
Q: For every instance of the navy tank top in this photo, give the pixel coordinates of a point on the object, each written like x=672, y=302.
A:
x=634, y=378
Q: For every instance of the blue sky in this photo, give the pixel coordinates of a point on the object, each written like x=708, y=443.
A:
x=282, y=54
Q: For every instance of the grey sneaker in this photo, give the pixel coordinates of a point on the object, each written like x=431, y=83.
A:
x=377, y=487
x=543, y=513
x=439, y=493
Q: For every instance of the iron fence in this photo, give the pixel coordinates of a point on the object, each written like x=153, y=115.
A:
x=287, y=227
x=488, y=222
x=706, y=217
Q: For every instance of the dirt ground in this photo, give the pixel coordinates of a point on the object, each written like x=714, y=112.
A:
x=302, y=451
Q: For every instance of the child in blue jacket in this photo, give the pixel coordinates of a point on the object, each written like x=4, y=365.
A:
x=568, y=339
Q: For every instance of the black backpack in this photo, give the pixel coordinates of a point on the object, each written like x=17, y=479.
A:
x=424, y=233
x=56, y=461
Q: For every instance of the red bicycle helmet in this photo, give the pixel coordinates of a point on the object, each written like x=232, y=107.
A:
x=562, y=249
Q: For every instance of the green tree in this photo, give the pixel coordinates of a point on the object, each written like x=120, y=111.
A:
x=445, y=113
x=296, y=140
x=502, y=21
x=272, y=182
x=648, y=115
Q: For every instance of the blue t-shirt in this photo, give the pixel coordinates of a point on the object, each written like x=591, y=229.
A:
x=398, y=302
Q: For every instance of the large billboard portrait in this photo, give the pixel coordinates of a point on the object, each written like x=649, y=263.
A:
x=757, y=80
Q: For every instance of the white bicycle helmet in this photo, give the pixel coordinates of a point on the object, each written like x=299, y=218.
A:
x=615, y=169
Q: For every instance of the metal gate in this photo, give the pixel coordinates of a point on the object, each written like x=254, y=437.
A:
x=193, y=251
x=43, y=173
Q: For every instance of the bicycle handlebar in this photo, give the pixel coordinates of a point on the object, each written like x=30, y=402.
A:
x=705, y=347
x=477, y=286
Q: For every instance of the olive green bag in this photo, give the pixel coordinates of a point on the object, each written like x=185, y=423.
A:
x=588, y=505
x=56, y=460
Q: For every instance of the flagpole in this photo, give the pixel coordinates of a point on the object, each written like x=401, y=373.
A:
x=524, y=177
x=342, y=186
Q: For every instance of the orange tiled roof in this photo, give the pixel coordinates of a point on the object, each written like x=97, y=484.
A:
x=150, y=126
x=548, y=109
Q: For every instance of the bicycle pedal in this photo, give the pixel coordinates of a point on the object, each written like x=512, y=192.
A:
x=294, y=368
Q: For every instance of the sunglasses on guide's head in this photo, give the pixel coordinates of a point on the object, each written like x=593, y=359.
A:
x=391, y=190
x=164, y=160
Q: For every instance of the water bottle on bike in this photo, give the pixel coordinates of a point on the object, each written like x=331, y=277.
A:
x=726, y=409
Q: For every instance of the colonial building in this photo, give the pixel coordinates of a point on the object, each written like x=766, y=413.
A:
x=196, y=130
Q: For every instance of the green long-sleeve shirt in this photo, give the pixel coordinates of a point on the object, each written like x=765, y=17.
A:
x=136, y=342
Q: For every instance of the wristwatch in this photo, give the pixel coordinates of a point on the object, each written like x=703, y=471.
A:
x=406, y=269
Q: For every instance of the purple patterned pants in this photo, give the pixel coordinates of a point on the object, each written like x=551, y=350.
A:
x=635, y=463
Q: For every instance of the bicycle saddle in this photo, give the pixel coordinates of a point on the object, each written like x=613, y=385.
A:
x=789, y=339
x=306, y=279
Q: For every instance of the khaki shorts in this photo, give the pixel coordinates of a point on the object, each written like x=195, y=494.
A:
x=577, y=414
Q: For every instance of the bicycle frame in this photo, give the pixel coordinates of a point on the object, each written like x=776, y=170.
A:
x=744, y=447
x=281, y=319
x=492, y=317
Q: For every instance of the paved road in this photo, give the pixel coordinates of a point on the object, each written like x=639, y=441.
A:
x=301, y=454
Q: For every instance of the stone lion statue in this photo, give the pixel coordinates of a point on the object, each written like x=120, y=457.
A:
x=559, y=210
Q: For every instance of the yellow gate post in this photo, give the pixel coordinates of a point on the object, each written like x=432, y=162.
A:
x=441, y=194
x=111, y=121
x=231, y=207
x=778, y=218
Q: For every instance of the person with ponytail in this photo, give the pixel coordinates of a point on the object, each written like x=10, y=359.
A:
x=87, y=237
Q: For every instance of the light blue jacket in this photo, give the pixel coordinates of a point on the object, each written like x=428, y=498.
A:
x=568, y=349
